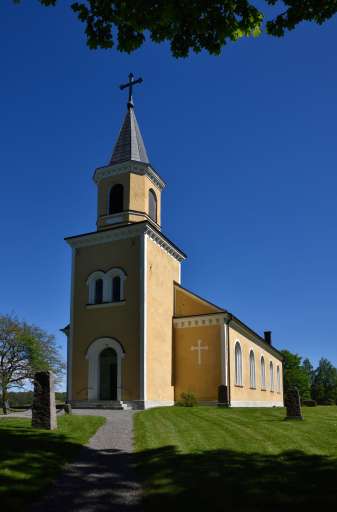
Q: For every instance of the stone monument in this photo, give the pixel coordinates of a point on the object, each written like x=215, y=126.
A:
x=223, y=396
x=293, y=404
x=44, y=409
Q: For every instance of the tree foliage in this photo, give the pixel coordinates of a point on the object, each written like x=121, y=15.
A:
x=190, y=24
x=24, y=350
x=324, y=386
x=295, y=375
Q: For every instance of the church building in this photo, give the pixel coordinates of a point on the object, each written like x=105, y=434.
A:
x=138, y=338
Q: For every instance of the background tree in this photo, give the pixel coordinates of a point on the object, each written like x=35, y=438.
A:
x=324, y=386
x=309, y=369
x=295, y=375
x=24, y=349
x=190, y=24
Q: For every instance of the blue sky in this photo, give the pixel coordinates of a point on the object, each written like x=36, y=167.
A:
x=246, y=143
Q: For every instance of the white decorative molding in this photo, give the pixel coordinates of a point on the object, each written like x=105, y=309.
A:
x=92, y=356
x=125, y=232
x=127, y=167
x=256, y=403
x=198, y=321
x=143, y=320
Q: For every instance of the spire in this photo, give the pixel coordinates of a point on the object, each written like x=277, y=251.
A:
x=130, y=144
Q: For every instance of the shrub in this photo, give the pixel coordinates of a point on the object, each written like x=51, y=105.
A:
x=187, y=400
x=309, y=403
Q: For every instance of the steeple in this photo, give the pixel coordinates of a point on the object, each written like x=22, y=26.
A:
x=130, y=144
x=129, y=189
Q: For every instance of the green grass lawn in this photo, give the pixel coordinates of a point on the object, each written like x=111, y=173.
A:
x=236, y=459
x=30, y=459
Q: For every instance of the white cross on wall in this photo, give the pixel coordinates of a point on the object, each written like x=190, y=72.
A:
x=199, y=348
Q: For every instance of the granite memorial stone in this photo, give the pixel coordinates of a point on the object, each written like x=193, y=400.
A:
x=293, y=404
x=44, y=409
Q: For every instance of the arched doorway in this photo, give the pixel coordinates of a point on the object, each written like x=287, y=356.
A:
x=108, y=374
x=99, y=371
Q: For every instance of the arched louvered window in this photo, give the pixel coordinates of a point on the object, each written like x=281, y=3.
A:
x=271, y=366
x=152, y=205
x=238, y=364
x=99, y=291
x=263, y=373
x=116, y=203
x=252, y=374
x=278, y=378
x=116, y=289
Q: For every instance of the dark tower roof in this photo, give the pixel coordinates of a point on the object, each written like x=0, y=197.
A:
x=130, y=144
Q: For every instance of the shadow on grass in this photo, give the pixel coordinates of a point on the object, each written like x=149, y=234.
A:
x=99, y=480
x=104, y=480
x=228, y=480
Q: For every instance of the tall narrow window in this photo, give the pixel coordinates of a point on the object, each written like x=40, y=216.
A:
x=99, y=291
x=116, y=289
x=271, y=376
x=252, y=370
x=116, y=199
x=238, y=365
x=263, y=373
x=278, y=378
x=152, y=205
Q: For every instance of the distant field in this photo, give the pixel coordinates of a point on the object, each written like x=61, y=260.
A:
x=30, y=459
x=237, y=459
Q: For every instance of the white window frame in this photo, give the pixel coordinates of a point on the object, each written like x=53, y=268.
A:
x=107, y=278
x=115, y=272
x=252, y=370
x=263, y=373
x=238, y=363
x=278, y=379
x=271, y=373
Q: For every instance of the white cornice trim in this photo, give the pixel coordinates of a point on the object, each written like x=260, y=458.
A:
x=126, y=167
x=237, y=325
x=199, y=321
x=106, y=236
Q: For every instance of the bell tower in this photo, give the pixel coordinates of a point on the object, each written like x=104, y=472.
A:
x=122, y=291
x=129, y=189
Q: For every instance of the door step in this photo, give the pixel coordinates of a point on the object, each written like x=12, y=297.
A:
x=114, y=405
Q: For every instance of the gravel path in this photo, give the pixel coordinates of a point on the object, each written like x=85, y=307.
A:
x=101, y=479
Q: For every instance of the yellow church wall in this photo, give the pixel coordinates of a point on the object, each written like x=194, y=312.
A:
x=119, y=320
x=136, y=198
x=162, y=271
x=187, y=304
x=202, y=380
x=245, y=393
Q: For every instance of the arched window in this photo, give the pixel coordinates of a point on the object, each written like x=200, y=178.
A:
x=152, y=205
x=238, y=364
x=252, y=370
x=263, y=373
x=271, y=366
x=99, y=291
x=116, y=199
x=278, y=377
x=116, y=289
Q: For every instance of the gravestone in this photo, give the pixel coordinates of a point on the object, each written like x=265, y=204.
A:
x=293, y=404
x=44, y=409
x=223, y=396
x=67, y=408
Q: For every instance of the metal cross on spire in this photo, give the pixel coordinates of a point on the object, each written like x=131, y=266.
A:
x=130, y=85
